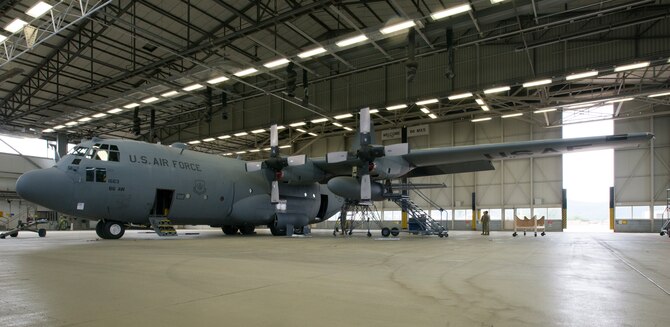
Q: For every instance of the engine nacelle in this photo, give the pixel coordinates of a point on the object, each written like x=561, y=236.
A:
x=302, y=174
x=350, y=188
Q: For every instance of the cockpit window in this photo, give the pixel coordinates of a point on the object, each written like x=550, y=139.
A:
x=78, y=151
x=103, y=152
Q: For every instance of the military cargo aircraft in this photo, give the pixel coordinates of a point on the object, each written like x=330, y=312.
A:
x=120, y=182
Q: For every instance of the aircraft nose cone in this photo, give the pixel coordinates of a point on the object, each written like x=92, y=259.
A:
x=47, y=187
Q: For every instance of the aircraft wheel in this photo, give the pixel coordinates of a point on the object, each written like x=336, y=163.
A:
x=299, y=230
x=113, y=230
x=247, y=229
x=42, y=232
x=395, y=231
x=15, y=234
x=229, y=229
x=276, y=231
x=386, y=232
x=99, y=227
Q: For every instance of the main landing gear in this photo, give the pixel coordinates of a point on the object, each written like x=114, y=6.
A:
x=110, y=229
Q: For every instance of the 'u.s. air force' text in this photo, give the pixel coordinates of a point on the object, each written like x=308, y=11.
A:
x=162, y=162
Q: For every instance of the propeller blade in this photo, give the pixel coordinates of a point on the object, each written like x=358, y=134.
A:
x=296, y=160
x=274, y=137
x=254, y=166
x=365, y=120
x=366, y=188
x=333, y=157
x=274, y=194
x=396, y=149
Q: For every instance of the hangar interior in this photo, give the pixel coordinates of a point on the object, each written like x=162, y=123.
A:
x=216, y=74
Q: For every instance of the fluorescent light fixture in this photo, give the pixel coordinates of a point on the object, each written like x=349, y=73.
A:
x=312, y=52
x=301, y=130
x=267, y=149
x=15, y=26
x=169, y=94
x=241, y=134
x=425, y=102
x=192, y=87
x=223, y=137
x=256, y=131
x=513, y=115
x=485, y=108
x=631, y=66
x=544, y=110
x=348, y=128
x=319, y=120
x=619, y=100
x=480, y=119
x=432, y=116
x=71, y=123
x=131, y=105
x=352, y=40
x=313, y=134
x=210, y=139
x=241, y=152
x=280, y=127
x=581, y=105
x=425, y=110
x=659, y=94
x=100, y=115
x=460, y=96
x=396, y=107
x=85, y=119
x=2, y=38
x=276, y=63
x=581, y=75
x=38, y=9
x=337, y=124
x=374, y=111
x=497, y=90
x=537, y=83
x=150, y=100
x=480, y=102
x=217, y=80
x=228, y=154
x=114, y=111
x=59, y=127
x=451, y=11
x=301, y=123
x=194, y=142
x=254, y=150
x=285, y=146
x=246, y=72
x=343, y=116
x=397, y=27
x=496, y=1
x=48, y=130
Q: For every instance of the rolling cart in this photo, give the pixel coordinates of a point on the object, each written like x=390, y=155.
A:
x=526, y=224
x=31, y=227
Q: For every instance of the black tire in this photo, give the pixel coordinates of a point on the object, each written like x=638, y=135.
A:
x=535, y=234
x=446, y=234
x=395, y=231
x=276, y=231
x=42, y=232
x=229, y=229
x=369, y=234
x=440, y=235
x=113, y=230
x=514, y=234
x=247, y=229
x=15, y=234
x=662, y=233
x=99, y=227
x=386, y=232
x=543, y=233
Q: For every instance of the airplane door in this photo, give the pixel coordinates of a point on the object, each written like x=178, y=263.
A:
x=162, y=203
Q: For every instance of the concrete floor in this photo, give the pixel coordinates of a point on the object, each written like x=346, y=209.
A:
x=562, y=279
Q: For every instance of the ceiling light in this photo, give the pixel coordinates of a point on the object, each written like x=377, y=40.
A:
x=480, y=102
x=537, y=83
x=254, y=150
x=460, y=96
x=659, y=94
x=513, y=115
x=194, y=142
x=285, y=146
x=351, y=40
x=241, y=134
x=374, y=111
x=319, y=120
x=267, y=149
x=192, y=87
x=72, y=123
x=241, y=152
x=100, y=115
x=619, y=100
x=85, y=119
x=275, y=63
x=425, y=102
x=432, y=116
x=48, y=130
x=337, y=124
x=2, y=38
x=496, y=1
x=59, y=127
x=631, y=66
x=280, y=127
x=343, y=116
x=347, y=128
x=114, y=111
x=312, y=52
x=485, y=108
x=497, y=90
x=169, y=94
x=301, y=130
x=396, y=107
x=425, y=110
x=480, y=119
x=38, y=9
x=15, y=26
x=544, y=110
x=150, y=100
x=301, y=123
x=581, y=105
x=217, y=80
x=313, y=134
x=398, y=27
x=581, y=75
x=451, y=11
x=210, y=139
x=131, y=105
x=256, y=131
x=246, y=72
x=223, y=137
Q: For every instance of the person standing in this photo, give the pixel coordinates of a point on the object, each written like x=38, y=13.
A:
x=485, y=223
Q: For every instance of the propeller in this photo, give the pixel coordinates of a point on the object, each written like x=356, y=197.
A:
x=363, y=161
x=275, y=163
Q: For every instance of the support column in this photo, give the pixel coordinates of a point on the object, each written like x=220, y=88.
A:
x=405, y=192
x=612, y=208
x=474, y=211
x=61, y=145
x=564, y=208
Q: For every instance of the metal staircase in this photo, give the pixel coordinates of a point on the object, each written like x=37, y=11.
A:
x=666, y=215
x=420, y=219
x=354, y=215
